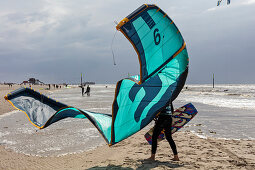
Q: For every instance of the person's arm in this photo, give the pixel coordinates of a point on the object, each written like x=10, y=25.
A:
x=172, y=108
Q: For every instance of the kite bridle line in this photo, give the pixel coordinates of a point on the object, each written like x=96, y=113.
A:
x=114, y=62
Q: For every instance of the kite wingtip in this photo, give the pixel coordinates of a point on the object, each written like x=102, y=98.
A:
x=121, y=23
x=5, y=97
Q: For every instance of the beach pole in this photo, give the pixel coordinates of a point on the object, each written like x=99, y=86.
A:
x=213, y=80
x=81, y=79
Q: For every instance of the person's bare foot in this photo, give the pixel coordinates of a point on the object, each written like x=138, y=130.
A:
x=176, y=158
x=152, y=158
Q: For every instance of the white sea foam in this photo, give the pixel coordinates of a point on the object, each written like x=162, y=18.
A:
x=8, y=142
x=231, y=96
x=200, y=135
x=2, y=134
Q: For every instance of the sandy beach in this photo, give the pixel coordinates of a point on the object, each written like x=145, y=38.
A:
x=194, y=152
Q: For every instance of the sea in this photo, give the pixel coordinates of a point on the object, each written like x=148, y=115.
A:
x=226, y=111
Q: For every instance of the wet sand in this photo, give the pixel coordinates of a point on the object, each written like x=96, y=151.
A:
x=194, y=152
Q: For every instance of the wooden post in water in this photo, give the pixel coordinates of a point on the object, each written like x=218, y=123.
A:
x=213, y=80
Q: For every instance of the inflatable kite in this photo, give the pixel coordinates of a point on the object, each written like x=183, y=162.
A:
x=219, y=2
x=138, y=99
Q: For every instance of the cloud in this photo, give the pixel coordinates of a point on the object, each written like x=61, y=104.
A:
x=56, y=40
x=248, y=2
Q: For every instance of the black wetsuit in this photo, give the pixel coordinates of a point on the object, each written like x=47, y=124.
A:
x=164, y=122
x=88, y=91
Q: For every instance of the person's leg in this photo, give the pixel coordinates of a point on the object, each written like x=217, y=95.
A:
x=156, y=131
x=170, y=140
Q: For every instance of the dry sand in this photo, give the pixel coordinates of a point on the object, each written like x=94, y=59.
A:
x=194, y=152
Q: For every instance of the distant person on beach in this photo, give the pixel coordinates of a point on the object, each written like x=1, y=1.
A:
x=82, y=90
x=163, y=121
x=88, y=91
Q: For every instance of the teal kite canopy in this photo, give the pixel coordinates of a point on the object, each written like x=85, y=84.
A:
x=138, y=99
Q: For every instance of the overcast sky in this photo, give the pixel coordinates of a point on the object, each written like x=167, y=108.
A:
x=55, y=40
